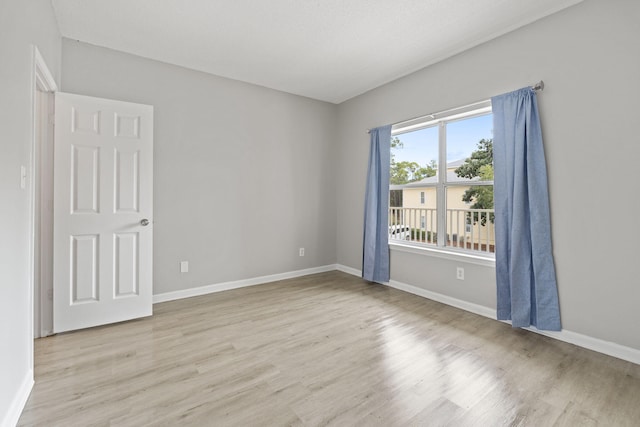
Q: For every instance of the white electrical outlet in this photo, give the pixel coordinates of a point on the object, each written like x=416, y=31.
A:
x=460, y=273
x=301, y=252
x=184, y=266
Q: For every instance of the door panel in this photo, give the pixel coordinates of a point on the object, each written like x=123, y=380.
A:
x=85, y=167
x=84, y=269
x=126, y=269
x=126, y=176
x=103, y=188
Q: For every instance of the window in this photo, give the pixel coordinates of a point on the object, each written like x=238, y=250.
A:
x=445, y=162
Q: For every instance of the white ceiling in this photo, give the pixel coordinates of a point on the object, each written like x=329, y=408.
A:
x=330, y=50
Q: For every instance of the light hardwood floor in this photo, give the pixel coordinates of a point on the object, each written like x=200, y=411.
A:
x=326, y=349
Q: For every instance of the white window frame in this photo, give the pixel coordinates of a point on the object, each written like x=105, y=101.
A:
x=441, y=120
x=422, y=198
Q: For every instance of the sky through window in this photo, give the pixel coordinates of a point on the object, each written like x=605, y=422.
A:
x=462, y=139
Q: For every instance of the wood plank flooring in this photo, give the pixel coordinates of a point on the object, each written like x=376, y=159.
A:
x=326, y=349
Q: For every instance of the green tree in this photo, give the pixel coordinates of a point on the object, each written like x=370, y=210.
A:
x=396, y=143
x=406, y=171
x=482, y=156
x=480, y=165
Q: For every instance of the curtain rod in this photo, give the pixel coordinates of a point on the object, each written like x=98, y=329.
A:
x=537, y=86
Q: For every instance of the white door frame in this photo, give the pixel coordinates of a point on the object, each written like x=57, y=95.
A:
x=42, y=82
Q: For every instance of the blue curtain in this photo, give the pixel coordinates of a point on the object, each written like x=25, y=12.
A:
x=525, y=273
x=375, y=257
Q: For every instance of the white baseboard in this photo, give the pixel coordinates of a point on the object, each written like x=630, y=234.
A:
x=445, y=299
x=605, y=347
x=349, y=270
x=225, y=286
x=17, y=406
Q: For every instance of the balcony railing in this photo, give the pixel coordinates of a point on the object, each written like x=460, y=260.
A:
x=469, y=229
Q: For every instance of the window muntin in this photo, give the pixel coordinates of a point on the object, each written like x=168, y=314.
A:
x=449, y=207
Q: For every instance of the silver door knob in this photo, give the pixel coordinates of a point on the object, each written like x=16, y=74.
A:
x=144, y=222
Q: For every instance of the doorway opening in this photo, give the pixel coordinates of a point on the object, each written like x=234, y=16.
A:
x=41, y=196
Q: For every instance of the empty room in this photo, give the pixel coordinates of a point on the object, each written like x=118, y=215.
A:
x=278, y=213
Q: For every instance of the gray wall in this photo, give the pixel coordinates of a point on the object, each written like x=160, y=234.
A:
x=22, y=23
x=243, y=175
x=588, y=56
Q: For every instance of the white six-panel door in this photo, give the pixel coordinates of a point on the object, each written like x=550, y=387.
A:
x=103, y=189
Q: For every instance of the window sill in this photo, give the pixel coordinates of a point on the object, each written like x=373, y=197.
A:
x=469, y=258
